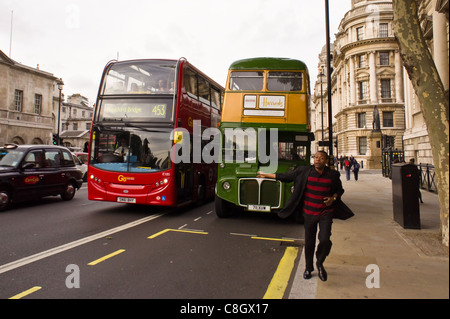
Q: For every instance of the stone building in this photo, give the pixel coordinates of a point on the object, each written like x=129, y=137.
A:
x=319, y=104
x=76, y=117
x=434, y=17
x=26, y=97
x=367, y=84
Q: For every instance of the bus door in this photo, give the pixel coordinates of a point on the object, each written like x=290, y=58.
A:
x=184, y=171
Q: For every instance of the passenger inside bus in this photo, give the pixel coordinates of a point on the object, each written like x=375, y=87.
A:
x=162, y=86
x=147, y=155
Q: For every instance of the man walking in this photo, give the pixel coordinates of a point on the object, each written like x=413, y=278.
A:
x=317, y=189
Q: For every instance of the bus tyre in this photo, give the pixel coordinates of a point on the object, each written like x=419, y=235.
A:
x=69, y=192
x=223, y=208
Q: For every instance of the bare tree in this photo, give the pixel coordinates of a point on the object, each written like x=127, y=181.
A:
x=433, y=98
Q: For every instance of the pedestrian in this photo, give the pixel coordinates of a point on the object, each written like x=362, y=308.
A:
x=347, y=167
x=317, y=197
x=355, y=167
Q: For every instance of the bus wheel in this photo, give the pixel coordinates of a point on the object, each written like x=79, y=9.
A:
x=223, y=208
x=201, y=194
x=69, y=192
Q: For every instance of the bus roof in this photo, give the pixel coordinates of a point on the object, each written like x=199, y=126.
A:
x=268, y=64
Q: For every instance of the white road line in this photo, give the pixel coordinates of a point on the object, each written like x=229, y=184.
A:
x=59, y=249
x=246, y=235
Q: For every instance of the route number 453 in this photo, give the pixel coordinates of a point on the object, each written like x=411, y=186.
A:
x=159, y=110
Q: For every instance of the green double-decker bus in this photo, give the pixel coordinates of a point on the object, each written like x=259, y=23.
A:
x=264, y=127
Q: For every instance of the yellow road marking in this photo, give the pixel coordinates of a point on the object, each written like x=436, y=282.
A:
x=274, y=239
x=177, y=230
x=95, y=262
x=26, y=293
x=281, y=277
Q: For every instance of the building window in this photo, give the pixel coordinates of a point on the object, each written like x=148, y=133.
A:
x=388, y=119
x=384, y=58
x=362, y=62
x=18, y=100
x=37, y=103
x=74, y=112
x=88, y=126
x=384, y=33
x=386, y=89
x=362, y=145
x=363, y=91
x=359, y=33
x=361, y=120
x=75, y=126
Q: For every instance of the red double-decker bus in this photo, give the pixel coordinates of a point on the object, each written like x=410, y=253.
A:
x=140, y=104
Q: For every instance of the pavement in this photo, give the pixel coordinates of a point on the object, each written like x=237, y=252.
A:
x=374, y=257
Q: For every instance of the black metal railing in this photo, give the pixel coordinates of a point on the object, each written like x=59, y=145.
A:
x=427, y=177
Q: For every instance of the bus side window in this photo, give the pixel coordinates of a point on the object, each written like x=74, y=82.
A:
x=204, y=91
x=190, y=83
x=215, y=98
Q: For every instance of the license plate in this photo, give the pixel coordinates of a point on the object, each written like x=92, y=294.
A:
x=259, y=208
x=126, y=200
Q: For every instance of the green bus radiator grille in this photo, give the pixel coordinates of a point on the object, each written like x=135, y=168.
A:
x=259, y=192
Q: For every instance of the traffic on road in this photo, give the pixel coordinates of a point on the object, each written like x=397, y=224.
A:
x=88, y=249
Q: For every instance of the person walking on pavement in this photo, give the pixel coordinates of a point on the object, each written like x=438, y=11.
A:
x=347, y=167
x=318, y=190
x=355, y=166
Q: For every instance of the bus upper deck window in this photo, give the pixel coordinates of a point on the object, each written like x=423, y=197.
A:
x=246, y=81
x=284, y=81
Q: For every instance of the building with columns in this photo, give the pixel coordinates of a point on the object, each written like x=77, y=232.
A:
x=367, y=84
x=434, y=17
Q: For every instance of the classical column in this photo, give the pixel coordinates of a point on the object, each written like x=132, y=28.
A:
x=399, y=94
x=352, y=82
x=373, y=78
x=440, y=46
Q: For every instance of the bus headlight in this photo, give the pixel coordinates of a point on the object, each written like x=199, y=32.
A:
x=226, y=186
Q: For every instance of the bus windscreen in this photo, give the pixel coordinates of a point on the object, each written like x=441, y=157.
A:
x=140, y=77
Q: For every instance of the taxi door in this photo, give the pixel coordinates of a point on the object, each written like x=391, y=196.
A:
x=52, y=171
x=31, y=180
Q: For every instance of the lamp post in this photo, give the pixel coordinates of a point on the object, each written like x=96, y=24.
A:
x=330, y=117
x=60, y=84
x=321, y=100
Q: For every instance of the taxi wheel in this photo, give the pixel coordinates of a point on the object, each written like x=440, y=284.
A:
x=5, y=199
x=69, y=192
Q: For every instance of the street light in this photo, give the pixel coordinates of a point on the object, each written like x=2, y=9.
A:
x=330, y=116
x=60, y=84
x=321, y=99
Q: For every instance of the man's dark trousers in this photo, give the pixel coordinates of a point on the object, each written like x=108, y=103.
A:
x=323, y=249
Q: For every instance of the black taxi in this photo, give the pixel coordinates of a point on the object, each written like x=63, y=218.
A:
x=35, y=171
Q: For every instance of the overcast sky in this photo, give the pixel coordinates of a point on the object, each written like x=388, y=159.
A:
x=74, y=39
